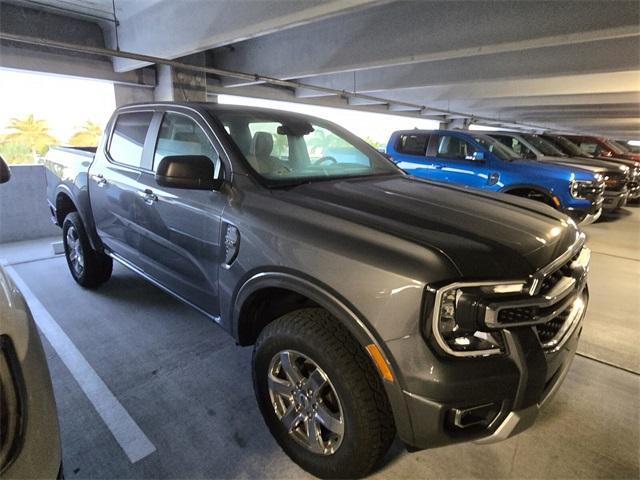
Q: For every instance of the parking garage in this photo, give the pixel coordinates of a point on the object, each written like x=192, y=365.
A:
x=146, y=386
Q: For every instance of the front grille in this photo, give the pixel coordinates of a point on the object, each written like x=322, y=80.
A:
x=615, y=181
x=517, y=315
x=547, y=331
x=552, y=279
x=556, y=307
x=595, y=193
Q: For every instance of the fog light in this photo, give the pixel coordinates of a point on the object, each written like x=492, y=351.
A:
x=473, y=416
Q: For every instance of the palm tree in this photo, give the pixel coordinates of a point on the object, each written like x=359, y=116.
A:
x=87, y=136
x=30, y=132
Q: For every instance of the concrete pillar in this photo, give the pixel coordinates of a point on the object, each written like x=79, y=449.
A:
x=182, y=85
x=127, y=94
x=456, y=124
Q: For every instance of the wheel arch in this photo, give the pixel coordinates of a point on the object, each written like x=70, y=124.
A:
x=510, y=189
x=66, y=202
x=324, y=297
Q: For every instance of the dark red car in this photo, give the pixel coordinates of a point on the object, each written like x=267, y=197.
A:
x=602, y=147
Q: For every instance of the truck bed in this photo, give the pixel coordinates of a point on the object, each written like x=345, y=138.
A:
x=67, y=171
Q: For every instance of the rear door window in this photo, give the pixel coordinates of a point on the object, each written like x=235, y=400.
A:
x=127, y=139
x=413, y=144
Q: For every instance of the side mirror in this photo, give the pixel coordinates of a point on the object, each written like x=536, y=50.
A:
x=5, y=172
x=476, y=157
x=192, y=172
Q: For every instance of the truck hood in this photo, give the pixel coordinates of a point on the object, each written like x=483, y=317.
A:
x=583, y=163
x=485, y=234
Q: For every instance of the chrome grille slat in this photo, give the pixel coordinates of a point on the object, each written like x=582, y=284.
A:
x=552, y=310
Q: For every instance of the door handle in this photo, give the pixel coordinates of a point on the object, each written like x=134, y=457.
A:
x=148, y=196
x=99, y=179
x=439, y=166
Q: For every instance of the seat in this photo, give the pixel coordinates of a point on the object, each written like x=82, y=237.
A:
x=260, y=156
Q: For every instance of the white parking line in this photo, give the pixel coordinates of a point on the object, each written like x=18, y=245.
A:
x=124, y=429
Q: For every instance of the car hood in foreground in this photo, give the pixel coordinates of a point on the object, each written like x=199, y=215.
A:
x=483, y=234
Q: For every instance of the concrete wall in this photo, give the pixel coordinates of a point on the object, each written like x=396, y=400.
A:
x=24, y=212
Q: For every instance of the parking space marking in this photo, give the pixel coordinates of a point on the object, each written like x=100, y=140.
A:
x=124, y=429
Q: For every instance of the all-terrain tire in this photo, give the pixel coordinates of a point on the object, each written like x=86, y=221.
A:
x=368, y=423
x=89, y=268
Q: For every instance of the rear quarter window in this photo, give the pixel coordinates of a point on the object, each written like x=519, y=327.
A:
x=127, y=139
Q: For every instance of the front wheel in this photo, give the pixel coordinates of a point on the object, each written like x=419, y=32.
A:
x=88, y=267
x=320, y=395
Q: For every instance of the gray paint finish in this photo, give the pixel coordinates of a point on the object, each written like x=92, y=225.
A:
x=188, y=386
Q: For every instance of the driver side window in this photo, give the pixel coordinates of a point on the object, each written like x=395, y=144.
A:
x=181, y=135
x=454, y=148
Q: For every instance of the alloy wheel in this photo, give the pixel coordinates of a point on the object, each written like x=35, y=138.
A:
x=74, y=251
x=306, y=402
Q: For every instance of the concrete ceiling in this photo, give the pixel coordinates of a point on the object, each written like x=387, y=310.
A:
x=564, y=65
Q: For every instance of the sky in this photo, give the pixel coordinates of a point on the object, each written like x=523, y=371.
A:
x=65, y=102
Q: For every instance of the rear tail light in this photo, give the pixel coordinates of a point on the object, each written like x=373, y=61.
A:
x=11, y=396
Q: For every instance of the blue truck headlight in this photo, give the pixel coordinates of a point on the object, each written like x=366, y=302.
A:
x=583, y=188
x=457, y=320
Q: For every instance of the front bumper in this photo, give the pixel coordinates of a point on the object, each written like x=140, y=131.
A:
x=614, y=200
x=588, y=215
x=517, y=384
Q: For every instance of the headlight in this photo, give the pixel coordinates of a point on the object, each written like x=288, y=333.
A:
x=457, y=320
x=583, y=188
x=11, y=417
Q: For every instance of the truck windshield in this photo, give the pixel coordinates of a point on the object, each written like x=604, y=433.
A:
x=495, y=147
x=566, y=146
x=287, y=149
x=615, y=147
x=543, y=146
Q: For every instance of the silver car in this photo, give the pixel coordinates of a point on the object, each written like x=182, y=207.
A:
x=29, y=437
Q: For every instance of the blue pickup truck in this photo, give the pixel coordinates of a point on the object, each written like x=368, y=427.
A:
x=479, y=161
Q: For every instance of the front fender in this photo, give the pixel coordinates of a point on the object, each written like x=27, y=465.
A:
x=344, y=312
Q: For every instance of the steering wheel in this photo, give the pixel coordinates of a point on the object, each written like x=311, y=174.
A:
x=326, y=159
x=282, y=167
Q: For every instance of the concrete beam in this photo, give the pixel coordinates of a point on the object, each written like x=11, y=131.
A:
x=173, y=29
x=26, y=21
x=417, y=32
x=617, y=82
x=576, y=59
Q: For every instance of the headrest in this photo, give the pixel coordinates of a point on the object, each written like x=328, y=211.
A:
x=185, y=137
x=262, y=144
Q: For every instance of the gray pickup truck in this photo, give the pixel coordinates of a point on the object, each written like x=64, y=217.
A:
x=376, y=302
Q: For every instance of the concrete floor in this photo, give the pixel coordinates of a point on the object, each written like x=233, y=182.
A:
x=188, y=386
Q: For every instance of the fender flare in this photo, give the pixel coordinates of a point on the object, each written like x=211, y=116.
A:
x=530, y=186
x=88, y=222
x=346, y=314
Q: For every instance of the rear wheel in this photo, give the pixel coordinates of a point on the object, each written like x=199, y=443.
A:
x=320, y=395
x=88, y=267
